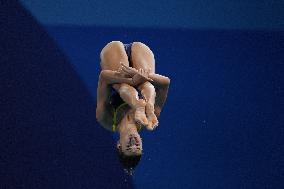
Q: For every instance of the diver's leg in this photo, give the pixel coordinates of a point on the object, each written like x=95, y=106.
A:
x=143, y=58
x=111, y=56
x=130, y=96
x=149, y=94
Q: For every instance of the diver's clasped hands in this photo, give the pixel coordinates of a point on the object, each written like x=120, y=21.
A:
x=138, y=76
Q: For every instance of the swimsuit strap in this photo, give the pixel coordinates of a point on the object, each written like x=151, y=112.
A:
x=114, y=117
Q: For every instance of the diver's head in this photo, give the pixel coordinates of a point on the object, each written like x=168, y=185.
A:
x=129, y=148
x=130, y=144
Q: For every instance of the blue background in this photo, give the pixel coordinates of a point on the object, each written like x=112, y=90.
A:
x=221, y=127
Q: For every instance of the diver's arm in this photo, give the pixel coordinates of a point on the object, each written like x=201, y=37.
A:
x=103, y=111
x=161, y=84
x=112, y=77
x=159, y=80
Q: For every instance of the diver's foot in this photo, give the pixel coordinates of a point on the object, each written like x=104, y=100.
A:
x=139, y=115
x=152, y=118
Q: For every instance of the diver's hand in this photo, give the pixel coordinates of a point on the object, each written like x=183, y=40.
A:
x=132, y=71
x=144, y=73
x=127, y=70
x=137, y=79
x=138, y=76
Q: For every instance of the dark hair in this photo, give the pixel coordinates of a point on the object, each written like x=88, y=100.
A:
x=128, y=162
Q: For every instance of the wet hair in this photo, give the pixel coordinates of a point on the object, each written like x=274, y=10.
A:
x=128, y=162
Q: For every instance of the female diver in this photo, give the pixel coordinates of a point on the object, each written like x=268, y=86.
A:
x=130, y=96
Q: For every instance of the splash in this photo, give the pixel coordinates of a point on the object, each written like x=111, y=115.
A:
x=129, y=172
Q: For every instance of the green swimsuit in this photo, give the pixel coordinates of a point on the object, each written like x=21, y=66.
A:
x=114, y=125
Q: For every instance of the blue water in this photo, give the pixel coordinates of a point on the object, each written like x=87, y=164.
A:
x=221, y=127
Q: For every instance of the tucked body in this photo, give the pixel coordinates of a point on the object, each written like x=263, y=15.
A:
x=128, y=71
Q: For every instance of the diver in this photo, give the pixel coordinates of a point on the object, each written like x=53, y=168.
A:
x=130, y=96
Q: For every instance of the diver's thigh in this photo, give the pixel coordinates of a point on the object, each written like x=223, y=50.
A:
x=142, y=57
x=112, y=54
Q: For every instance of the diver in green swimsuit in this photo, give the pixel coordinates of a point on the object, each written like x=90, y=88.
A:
x=128, y=71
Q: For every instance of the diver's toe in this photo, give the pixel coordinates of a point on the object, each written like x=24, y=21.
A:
x=149, y=127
